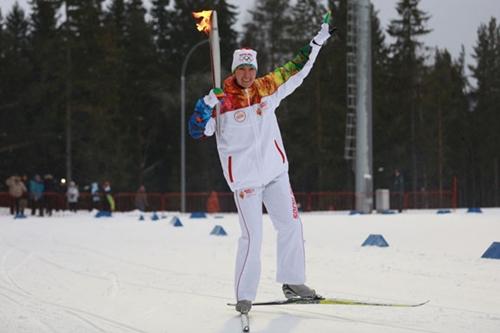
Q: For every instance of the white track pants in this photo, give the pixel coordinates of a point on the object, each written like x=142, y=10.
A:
x=280, y=203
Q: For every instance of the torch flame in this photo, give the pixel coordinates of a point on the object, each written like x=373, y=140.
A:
x=203, y=19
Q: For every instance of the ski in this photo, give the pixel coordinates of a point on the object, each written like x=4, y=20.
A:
x=334, y=301
x=245, y=322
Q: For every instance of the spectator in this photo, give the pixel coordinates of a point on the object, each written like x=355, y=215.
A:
x=16, y=190
x=50, y=196
x=213, y=203
x=72, y=194
x=95, y=194
x=12, y=202
x=23, y=203
x=398, y=188
x=108, y=204
x=141, y=199
x=36, y=195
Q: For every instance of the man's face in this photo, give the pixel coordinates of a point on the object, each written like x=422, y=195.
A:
x=245, y=75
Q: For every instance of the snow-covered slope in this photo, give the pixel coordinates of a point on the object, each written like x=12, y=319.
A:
x=76, y=273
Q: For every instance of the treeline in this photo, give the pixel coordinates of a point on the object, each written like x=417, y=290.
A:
x=110, y=73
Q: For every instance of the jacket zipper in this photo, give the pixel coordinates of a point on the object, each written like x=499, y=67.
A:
x=248, y=97
x=257, y=142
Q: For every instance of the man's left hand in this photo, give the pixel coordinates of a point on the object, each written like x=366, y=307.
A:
x=324, y=32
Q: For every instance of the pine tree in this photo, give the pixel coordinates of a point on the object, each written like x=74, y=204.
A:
x=1, y=35
x=15, y=114
x=406, y=65
x=115, y=44
x=486, y=169
x=139, y=112
x=162, y=25
x=2, y=55
x=267, y=33
x=95, y=156
x=47, y=54
x=445, y=109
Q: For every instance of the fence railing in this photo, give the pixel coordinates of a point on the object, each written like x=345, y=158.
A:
x=224, y=202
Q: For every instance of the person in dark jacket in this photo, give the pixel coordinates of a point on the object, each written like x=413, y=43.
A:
x=37, y=189
x=398, y=189
x=50, y=196
x=141, y=199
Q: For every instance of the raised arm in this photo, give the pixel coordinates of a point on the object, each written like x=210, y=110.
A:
x=285, y=79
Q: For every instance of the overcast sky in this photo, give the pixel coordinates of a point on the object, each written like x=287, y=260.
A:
x=454, y=22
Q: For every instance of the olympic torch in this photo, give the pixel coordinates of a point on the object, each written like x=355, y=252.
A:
x=207, y=22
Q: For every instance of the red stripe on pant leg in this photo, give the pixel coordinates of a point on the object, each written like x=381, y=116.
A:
x=248, y=247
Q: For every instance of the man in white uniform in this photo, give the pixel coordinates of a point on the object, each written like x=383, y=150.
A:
x=255, y=164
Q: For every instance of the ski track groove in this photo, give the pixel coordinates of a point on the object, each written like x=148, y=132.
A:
x=26, y=294
x=31, y=308
x=104, y=278
x=89, y=322
x=135, y=264
x=125, y=282
x=35, y=301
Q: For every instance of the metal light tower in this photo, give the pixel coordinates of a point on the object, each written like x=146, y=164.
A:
x=68, y=92
x=359, y=101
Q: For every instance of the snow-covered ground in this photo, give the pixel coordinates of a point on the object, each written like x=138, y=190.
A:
x=75, y=273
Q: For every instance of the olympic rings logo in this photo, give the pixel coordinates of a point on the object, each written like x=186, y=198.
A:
x=246, y=57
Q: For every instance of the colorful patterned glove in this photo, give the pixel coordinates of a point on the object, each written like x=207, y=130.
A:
x=203, y=111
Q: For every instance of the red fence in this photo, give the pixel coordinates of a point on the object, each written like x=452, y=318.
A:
x=223, y=201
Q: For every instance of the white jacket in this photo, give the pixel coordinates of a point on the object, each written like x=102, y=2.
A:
x=250, y=146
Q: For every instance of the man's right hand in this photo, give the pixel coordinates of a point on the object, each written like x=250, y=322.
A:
x=215, y=97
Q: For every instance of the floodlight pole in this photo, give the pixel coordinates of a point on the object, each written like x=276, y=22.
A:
x=364, y=146
x=183, y=124
x=68, y=97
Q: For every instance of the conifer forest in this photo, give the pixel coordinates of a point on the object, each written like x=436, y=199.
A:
x=100, y=81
